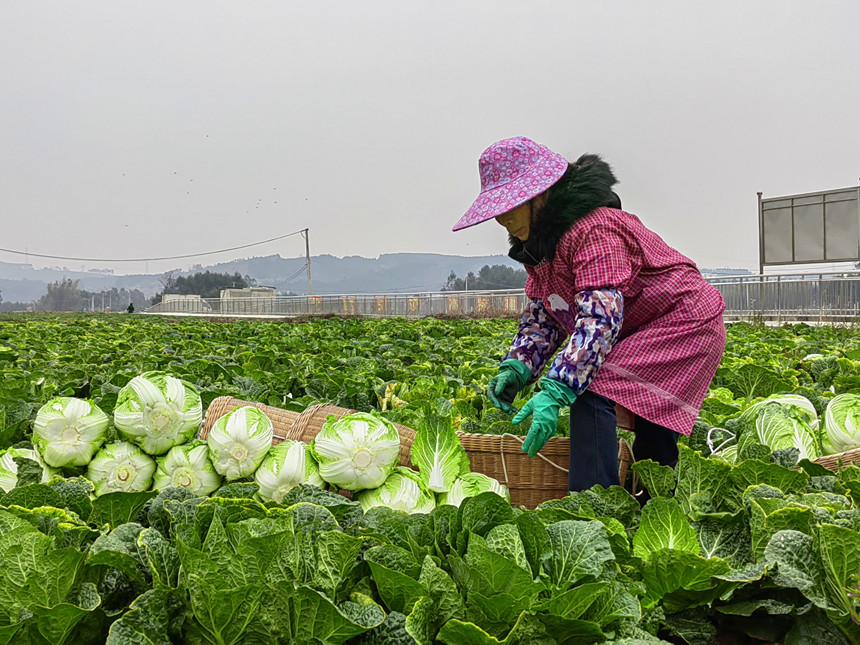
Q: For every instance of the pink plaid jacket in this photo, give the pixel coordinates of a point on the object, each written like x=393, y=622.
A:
x=672, y=334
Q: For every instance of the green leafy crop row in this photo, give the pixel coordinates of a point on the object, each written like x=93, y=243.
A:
x=758, y=548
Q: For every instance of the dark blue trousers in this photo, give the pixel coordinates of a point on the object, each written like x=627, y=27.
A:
x=594, y=443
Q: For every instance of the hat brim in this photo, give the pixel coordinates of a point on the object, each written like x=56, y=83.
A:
x=495, y=201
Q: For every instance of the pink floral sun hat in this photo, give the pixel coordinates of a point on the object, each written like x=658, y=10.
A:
x=512, y=172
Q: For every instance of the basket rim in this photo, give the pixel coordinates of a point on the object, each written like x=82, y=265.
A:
x=839, y=459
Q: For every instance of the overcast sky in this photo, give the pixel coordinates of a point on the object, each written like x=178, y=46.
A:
x=149, y=129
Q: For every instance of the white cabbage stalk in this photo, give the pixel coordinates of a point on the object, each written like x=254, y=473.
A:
x=403, y=490
x=438, y=454
x=842, y=424
x=9, y=469
x=68, y=431
x=239, y=441
x=470, y=485
x=286, y=466
x=157, y=411
x=187, y=466
x=121, y=466
x=8, y=472
x=357, y=451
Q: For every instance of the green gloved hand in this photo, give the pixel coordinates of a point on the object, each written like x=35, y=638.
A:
x=503, y=388
x=544, y=407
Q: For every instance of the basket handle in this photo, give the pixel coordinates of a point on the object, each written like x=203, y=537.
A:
x=552, y=463
x=521, y=440
x=301, y=423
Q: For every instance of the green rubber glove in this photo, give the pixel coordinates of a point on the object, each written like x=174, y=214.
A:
x=544, y=407
x=503, y=388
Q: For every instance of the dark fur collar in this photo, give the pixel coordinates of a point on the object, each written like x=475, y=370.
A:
x=585, y=186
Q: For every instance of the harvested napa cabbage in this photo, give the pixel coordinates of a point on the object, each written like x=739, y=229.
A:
x=157, y=411
x=187, y=466
x=438, y=454
x=470, y=485
x=781, y=421
x=357, y=451
x=68, y=431
x=841, y=424
x=239, y=441
x=121, y=466
x=9, y=469
x=403, y=490
x=286, y=466
x=729, y=454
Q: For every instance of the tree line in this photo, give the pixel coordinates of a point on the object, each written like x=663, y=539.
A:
x=66, y=294
x=206, y=285
x=489, y=277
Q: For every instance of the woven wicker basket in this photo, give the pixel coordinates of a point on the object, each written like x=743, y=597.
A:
x=531, y=480
x=832, y=462
x=310, y=422
x=282, y=420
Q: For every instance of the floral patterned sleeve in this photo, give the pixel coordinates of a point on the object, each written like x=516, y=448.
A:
x=599, y=315
x=538, y=338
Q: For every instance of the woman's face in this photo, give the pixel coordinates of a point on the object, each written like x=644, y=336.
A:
x=518, y=221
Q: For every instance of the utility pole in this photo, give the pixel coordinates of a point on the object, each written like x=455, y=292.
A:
x=308, y=262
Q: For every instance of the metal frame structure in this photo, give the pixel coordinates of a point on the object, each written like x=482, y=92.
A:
x=793, y=204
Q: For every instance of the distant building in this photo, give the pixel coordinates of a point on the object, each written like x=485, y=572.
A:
x=170, y=297
x=723, y=272
x=182, y=302
x=248, y=292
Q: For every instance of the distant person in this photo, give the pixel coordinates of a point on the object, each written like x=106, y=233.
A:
x=130, y=308
x=642, y=327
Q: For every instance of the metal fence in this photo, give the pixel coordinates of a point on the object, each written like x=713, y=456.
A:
x=408, y=305
x=811, y=297
x=819, y=297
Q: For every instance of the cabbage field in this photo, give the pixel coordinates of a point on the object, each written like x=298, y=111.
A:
x=117, y=525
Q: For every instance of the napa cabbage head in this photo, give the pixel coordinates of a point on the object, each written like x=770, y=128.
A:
x=187, y=466
x=729, y=454
x=239, y=441
x=9, y=468
x=781, y=421
x=286, y=466
x=121, y=467
x=357, y=451
x=841, y=424
x=68, y=431
x=157, y=411
x=470, y=485
x=403, y=490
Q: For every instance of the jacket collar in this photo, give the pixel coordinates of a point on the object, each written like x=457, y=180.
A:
x=587, y=186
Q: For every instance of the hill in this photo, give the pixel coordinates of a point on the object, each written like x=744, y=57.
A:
x=352, y=274
x=391, y=272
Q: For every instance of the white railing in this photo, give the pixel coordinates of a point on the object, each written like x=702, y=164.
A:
x=792, y=297
x=783, y=297
x=410, y=305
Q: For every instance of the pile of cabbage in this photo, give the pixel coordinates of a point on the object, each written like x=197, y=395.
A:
x=153, y=445
x=786, y=421
x=359, y=453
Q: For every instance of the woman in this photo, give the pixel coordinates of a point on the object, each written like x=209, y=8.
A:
x=642, y=327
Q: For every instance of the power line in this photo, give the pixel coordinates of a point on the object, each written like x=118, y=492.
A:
x=295, y=275
x=170, y=257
